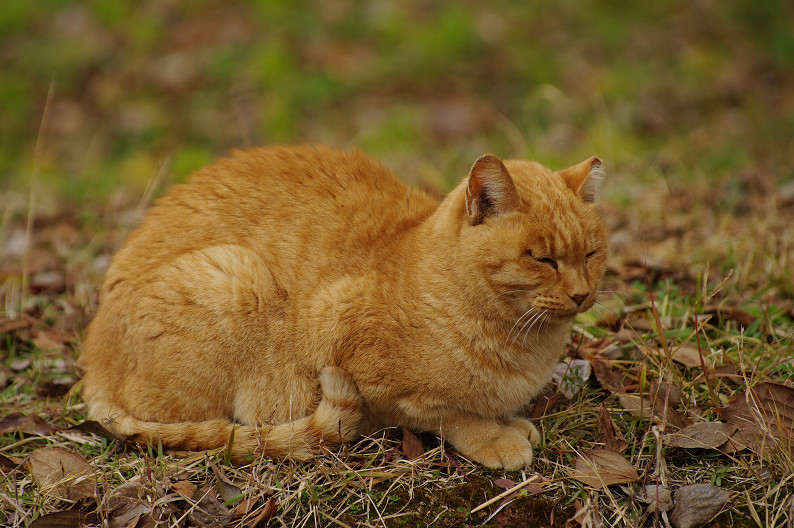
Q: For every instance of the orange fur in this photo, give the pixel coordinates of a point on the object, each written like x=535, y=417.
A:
x=308, y=295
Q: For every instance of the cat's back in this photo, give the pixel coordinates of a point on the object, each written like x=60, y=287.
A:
x=281, y=202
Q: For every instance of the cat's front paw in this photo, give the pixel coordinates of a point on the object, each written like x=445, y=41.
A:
x=510, y=450
x=526, y=428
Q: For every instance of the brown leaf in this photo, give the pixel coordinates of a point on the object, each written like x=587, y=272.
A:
x=66, y=519
x=703, y=435
x=225, y=487
x=689, y=356
x=8, y=464
x=412, y=446
x=744, y=319
x=697, y=504
x=600, y=468
x=47, y=341
x=545, y=403
x=764, y=414
x=209, y=512
x=662, y=390
x=9, y=325
x=127, y=504
x=645, y=408
x=608, y=431
x=65, y=474
x=94, y=428
x=658, y=498
x=264, y=514
x=609, y=378
x=28, y=424
x=184, y=487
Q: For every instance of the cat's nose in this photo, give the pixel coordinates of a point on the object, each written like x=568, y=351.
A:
x=578, y=298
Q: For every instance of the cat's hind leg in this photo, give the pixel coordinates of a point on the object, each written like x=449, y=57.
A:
x=335, y=420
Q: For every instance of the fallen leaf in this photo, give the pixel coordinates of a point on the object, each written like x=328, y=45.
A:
x=28, y=424
x=226, y=488
x=66, y=519
x=545, y=403
x=412, y=446
x=608, y=431
x=703, y=435
x=658, y=498
x=127, y=504
x=264, y=514
x=9, y=325
x=65, y=474
x=600, y=468
x=645, y=408
x=504, y=483
x=764, y=414
x=184, y=488
x=571, y=375
x=19, y=364
x=744, y=319
x=661, y=390
x=94, y=428
x=47, y=341
x=636, y=405
x=609, y=378
x=689, y=356
x=208, y=512
x=8, y=464
x=697, y=504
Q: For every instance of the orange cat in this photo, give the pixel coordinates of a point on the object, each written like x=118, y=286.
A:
x=302, y=296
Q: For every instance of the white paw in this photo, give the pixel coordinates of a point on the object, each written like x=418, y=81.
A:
x=510, y=450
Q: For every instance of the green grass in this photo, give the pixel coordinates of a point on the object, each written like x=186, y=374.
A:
x=686, y=104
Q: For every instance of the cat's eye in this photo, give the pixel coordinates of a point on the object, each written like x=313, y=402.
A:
x=545, y=260
x=589, y=255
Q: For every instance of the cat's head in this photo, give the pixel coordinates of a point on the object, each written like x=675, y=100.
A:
x=531, y=239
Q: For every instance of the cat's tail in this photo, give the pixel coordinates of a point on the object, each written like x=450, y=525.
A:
x=336, y=420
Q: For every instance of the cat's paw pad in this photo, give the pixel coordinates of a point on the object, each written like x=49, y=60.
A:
x=526, y=428
x=510, y=451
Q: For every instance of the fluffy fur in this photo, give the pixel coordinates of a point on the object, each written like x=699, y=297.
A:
x=302, y=296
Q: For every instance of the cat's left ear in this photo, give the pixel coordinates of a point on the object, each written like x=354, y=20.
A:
x=491, y=190
x=584, y=178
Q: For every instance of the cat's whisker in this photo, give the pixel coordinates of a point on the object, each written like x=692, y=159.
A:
x=528, y=312
x=530, y=322
x=539, y=317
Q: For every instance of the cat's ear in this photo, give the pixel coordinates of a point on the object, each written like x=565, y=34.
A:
x=491, y=190
x=584, y=178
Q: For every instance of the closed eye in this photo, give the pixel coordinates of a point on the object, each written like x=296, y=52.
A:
x=590, y=255
x=545, y=260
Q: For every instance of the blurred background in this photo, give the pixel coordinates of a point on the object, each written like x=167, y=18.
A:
x=104, y=103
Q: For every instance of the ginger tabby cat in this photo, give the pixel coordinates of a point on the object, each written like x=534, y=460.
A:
x=303, y=296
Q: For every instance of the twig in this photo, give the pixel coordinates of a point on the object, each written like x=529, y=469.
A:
x=530, y=480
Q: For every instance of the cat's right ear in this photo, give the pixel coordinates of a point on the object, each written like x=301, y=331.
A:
x=491, y=190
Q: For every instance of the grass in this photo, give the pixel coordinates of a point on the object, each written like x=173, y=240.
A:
x=105, y=104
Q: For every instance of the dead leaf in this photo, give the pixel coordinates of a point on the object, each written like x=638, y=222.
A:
x=644, y=408
x=545, y=403
x=703, y=435
x=127, y=504
x=600, y=468
x=9, y=325
x=764, y=414
x=658, y=498
x=571, y=375
x=65, y=474
x=47, y=341
x=689, y=356
x=208, y=512
x=661, y=390
x=609, y=378
x=28, y=424
x=19, y=364
x=264, y=514
x=226, y=488
x=744, y=319
x=8, y=464
x=608, y=431
x=697, y=504
x=184, y=488
x=412, y=446
x=66, y=519
x=94, y=428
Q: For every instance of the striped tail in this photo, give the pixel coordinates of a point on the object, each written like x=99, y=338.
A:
x=336, y=420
